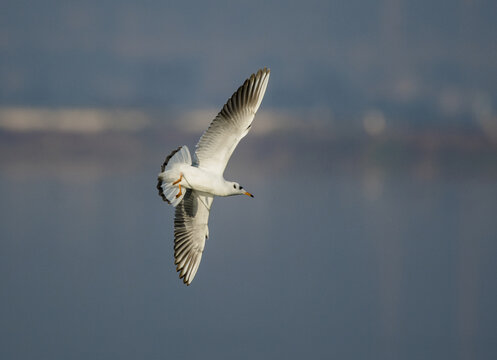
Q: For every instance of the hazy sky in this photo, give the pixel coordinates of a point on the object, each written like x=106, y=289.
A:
x=399, y=55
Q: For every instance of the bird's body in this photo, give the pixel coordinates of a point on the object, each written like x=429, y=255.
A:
x=191, y=184
x=201, y=180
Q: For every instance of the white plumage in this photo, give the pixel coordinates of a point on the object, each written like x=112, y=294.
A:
x=191, y=184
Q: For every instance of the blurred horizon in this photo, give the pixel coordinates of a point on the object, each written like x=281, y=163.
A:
x=420, y=60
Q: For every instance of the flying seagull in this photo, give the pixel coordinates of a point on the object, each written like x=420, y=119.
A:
x=190, y=184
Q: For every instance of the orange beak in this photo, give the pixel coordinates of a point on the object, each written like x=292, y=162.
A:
x=248, y=194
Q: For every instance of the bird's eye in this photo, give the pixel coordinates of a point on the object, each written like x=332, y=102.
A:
x=234, y=186
x=241, y=187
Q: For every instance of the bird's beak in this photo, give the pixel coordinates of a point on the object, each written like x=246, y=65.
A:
x=248, y=194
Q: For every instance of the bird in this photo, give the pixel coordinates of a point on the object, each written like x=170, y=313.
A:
x=190, y=183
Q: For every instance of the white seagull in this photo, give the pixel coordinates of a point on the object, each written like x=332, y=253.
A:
x=202, y=176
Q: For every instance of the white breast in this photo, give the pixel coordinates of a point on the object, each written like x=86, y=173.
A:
x=201, y=180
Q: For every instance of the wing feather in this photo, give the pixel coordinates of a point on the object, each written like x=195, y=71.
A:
x=190, y=231
x=233, y=122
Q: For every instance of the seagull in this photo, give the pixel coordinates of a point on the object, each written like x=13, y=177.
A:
x=190, y=183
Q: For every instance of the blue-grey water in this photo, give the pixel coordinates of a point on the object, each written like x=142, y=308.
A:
x=370, y=263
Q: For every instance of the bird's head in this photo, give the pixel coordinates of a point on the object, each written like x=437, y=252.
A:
x=237, y=189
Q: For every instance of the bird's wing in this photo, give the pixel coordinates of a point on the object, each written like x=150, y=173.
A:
x=216, y=145
x=190, y=231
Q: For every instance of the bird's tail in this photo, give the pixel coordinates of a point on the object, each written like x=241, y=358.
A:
x=169, y=179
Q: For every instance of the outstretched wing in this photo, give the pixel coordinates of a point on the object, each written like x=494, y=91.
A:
x=190, y=231
x=216, y=145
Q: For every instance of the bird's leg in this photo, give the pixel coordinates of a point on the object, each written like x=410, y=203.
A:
x=179, y=180
x=180, y=193
x=176, y=182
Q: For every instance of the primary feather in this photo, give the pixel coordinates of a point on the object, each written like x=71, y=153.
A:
x=190, y=232
x=233, y=122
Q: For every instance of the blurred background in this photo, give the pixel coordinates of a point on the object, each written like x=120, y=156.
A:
x=373, y=160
